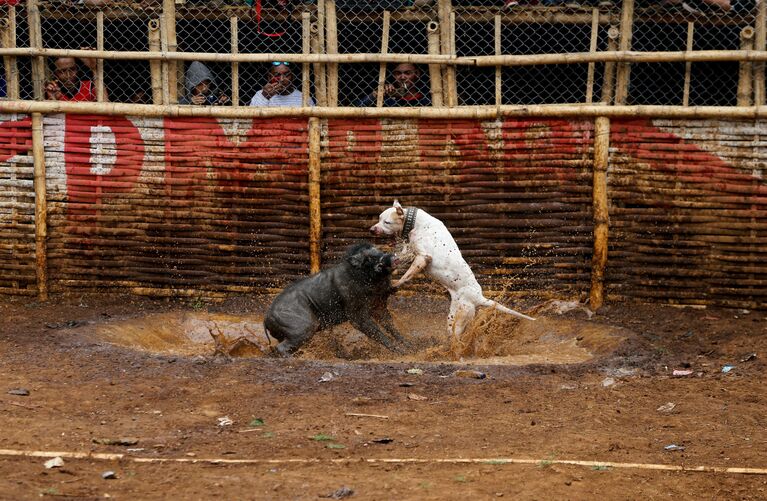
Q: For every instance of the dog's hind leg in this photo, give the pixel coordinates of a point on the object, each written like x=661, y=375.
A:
x=461, y=315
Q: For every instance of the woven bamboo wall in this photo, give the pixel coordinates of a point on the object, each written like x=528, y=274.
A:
x=17, y=206
x=198, y=205
x=688, y=212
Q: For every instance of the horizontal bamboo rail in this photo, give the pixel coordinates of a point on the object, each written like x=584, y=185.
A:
x=503, y=60
x=466, y=112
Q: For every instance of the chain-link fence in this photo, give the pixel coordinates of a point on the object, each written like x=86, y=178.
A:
x=467, y=28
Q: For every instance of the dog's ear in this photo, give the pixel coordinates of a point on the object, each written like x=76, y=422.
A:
x=398, y=208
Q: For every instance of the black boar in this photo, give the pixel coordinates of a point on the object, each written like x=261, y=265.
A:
x=355, y=290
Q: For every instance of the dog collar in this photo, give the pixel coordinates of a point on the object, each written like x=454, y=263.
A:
x=410, y=214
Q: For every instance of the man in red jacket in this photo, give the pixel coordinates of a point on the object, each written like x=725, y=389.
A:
x=67, y=84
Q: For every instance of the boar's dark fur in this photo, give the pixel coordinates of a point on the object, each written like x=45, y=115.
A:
x=355, y=290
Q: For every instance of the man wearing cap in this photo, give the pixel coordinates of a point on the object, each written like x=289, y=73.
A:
x=280, y=89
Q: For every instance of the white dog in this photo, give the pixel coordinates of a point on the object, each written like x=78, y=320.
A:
x=437, y=253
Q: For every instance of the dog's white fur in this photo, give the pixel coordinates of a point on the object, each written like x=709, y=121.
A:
x=438, y=255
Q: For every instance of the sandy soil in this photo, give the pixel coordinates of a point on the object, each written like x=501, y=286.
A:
x=346, y=413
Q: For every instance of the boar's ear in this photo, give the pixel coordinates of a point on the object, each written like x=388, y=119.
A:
x=357, y=260
x=398, y=208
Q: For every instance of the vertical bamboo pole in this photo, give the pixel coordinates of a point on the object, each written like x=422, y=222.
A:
x=451, y=70
x=306, y=28
x=745, y=70
x=99, y=61
x=601, y=212
x=760, y=43
x=384, y=51
x=446, y=29
x=688, y=65
x=235, y=43
x=155, y=66
x=170, y=68
x=319, y=69
x=332, y=48
x=166, y=69
x=41, y=208
x=592, y=49
x=435, y=70
x=608, y=82
x=36, y=42
x=9, y=62
x=315, y=218
x=624, y=69
x=498, y=69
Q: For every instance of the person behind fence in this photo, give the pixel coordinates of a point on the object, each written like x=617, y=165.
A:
x=200, y=85
x=67, y=83
x=405, y=90
x=280, y=88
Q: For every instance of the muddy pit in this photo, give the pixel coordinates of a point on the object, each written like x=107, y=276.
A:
x=494, y=338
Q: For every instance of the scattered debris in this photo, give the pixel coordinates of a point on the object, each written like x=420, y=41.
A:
x=56, y=462
x=116, y=441
x=379, y=416
x=415, y=396
x=667, y=407
x=328, y=376
x=341, y=493
x=559, y=307
x=674, y=447
x=321, y=437
x=406, y=385
x=727, y=368
x=568, y=386
x=256, y=422
x=63, y=325
x=225, y=421
x=681, y=372
x=384, y=440
x=470, y=374
x=22, y=392
x=336, y=446
x=749, y=357
x=415, y=371
x=109, y=475
x=361, y=400
x=608, y=381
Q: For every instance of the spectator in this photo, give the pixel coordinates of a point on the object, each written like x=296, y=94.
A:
x=66, y=84
x=405, y=91
x=280, y=90
x=200, y=87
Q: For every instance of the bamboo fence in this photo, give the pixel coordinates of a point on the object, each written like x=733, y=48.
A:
x=601, y=199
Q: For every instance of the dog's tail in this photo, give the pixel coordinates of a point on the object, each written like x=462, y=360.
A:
x=500, y=307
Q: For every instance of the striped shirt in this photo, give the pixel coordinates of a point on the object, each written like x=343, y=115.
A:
x=294, y=99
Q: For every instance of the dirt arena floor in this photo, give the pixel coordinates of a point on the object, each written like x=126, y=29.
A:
x=624, y=404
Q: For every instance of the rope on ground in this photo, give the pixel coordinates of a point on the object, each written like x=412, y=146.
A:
x=491, y=461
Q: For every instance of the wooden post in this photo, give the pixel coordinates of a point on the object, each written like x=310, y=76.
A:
x=41, y=207
x=435, y=70
x=601, y=212
x=760, y=43
x=624, y=69
x=608, y=82
x=320, y=87
x=446, y=30
x=306, y=28
x=592, y=48
x=9, y=62
x=171, y=69
x=100, y=62
x=384, y=51
x=451, y=71
x=235, y=42
x=315, y=218
x=688, y=65
x=36, y=42
x=332, y=48
x=155, y=66
x=745, y=71
x=498, y=69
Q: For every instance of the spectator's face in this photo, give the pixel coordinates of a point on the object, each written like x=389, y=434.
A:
x=406, y=75
x=66, y=72
x=282, y=75
x=202, y=88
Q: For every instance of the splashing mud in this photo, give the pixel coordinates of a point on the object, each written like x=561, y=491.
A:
x=493, y=338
